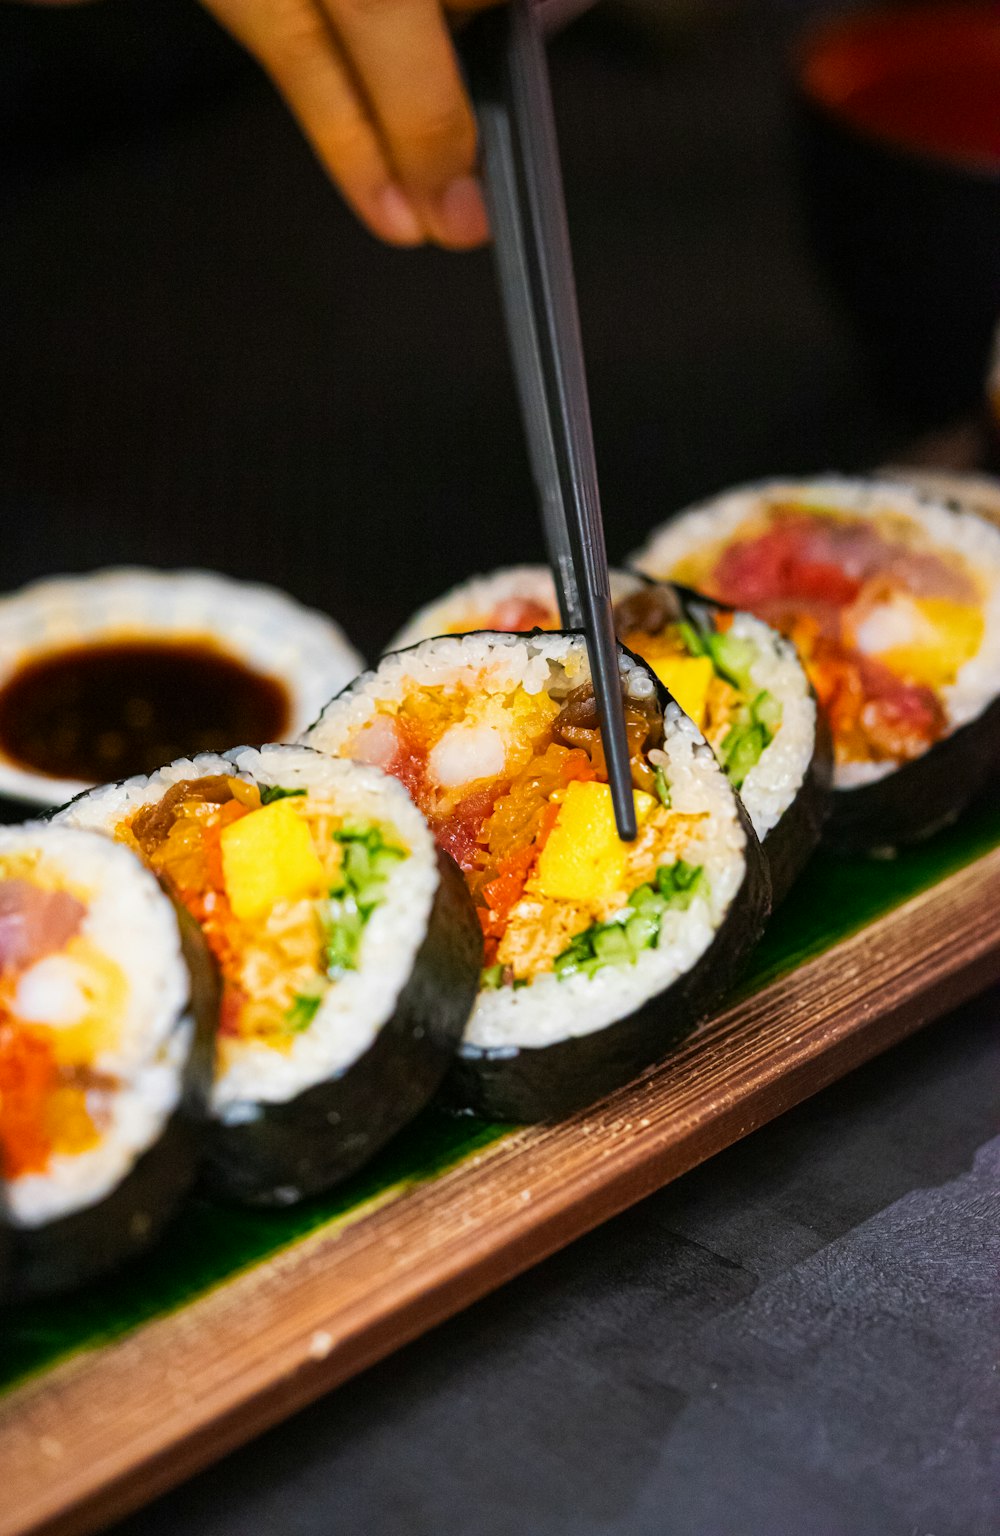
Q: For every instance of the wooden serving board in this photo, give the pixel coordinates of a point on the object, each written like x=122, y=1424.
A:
x=127, y=1390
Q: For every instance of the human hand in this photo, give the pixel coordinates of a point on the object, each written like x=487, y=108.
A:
x=376, y=87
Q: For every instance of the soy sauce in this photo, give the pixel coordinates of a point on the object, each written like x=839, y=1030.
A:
x=103, y=712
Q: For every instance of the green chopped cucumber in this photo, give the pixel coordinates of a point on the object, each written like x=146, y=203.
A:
x=758, y=717
x=647, y=901
x=270, y=792
x=344, y=927
x=693, y=640
x=732, y=658
x=766, y=711
x=368, y=860
x=741, y=750
x=304, y=1009
x=611, y=945
x=730, y=655
x=642, y=931
x=491, y=978
x=750, y=734
x=662, y=788
x=622, y=940
x=678, y=884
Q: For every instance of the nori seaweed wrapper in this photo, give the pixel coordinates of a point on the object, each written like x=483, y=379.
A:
x=921, y=796
x=532, y=1083
x=85, y=1243
x=529, y=1083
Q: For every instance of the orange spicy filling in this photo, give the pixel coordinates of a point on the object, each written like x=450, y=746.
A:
x=180, y=839
x=44, y=1106
x=281, y=887
x=882, y=622
x=50, y=1095
x=497, y=821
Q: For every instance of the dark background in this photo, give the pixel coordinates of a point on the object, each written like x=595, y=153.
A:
x=205, y=362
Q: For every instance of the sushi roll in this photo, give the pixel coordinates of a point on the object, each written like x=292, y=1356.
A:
x=739, y=680
x=600, y=954
x=893, y=601
x=348, y=948
x=101, y=1063
x=516, y=598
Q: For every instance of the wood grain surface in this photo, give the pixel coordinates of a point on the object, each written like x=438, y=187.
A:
x=104, y=1432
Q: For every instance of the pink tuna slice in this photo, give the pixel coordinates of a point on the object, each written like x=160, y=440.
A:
x=34, y=923
x=518, y=614
x=861, y=552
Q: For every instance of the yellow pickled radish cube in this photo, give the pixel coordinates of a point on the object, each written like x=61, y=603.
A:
x=69, y=1123
x=688, y=678
x=268, y=857
x=948, y=634
x=584, y=858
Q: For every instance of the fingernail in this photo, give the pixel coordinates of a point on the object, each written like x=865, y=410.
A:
x=397, y=220
x=462, y=213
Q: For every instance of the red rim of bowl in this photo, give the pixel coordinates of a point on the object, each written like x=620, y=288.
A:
x=836, y=59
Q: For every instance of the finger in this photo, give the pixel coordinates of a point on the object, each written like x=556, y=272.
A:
x=294, y=43
x=404, y=58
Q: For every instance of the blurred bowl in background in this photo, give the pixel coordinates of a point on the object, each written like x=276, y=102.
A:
x=899, y=117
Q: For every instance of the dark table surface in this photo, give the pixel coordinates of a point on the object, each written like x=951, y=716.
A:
x=205, y=362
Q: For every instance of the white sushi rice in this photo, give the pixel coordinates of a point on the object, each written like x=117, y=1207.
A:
x=551, y=1009
x=776, y=778
x=774, y=781
x=486, y=663
x=946, y=527
x=131, y=922
x=963, y=491
x=359, y=1003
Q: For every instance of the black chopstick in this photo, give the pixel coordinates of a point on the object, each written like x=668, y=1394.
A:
x=508, y=74
x=513, y=269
